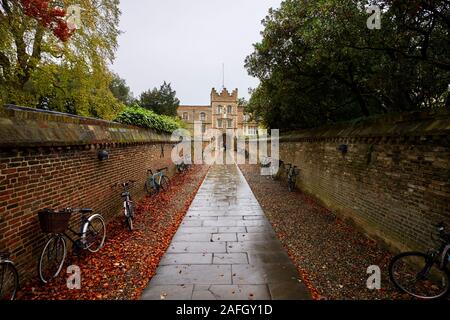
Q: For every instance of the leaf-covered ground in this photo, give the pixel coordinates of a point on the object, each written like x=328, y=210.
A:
x=330, y=254
x=123, y=268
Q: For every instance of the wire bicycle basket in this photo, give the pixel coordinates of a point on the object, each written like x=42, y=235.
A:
x=54, y=222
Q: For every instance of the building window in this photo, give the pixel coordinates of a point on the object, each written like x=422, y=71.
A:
x=246, y=118
x=202, y=116
x=252, y=131
x=230, y=109
x=185, y=116
x=219, y=123
x=230, y=123
x=219, y=109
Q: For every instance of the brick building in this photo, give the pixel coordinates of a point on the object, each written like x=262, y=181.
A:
x=224, y=112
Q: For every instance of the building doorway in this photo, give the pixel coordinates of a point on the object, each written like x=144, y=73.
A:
x=224, y=141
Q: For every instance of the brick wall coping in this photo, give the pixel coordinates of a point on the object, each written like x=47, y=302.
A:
x=404, y=125
x=28, y=127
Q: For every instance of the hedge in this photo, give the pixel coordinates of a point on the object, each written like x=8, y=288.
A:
x=145, y=118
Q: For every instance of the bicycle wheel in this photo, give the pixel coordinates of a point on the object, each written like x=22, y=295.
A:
x=94, y=233
x=129, y=216
x=52, y=258
x=291, y=185
x=274, y=174
x=9, y=281
x=130, y=223
x=164, y=184
x=418, y=275
x=150, y=189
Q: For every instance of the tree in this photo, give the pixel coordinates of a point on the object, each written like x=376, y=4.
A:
x=52, y=18
x=25, y=24
x=77, y=90
x=318, y=62
x=120, y=90
x=242, y=102
x=38, y=52
x=161, y=101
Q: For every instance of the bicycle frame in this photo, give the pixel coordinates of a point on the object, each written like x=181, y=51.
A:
x=292, y=171
x=445, y=255
x=442, y=254
x=126, y=202
x=156, y=178
x=77, y=242
x=126, y=196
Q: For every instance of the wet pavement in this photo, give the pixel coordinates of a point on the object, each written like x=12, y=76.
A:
x=225, y=249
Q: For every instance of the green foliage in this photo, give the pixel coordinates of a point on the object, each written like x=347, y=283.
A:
x=145, y=118
x=73, y=89
x=162, y=100
x=242, y=102
x=120, y=90
x=39, y=70
x=319, y=63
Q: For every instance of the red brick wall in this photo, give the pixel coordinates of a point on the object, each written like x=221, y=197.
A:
x=34, y=178
x=394, y=181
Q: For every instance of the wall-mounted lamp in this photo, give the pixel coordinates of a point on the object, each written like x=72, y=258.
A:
x=343, y=148
x=103, y=155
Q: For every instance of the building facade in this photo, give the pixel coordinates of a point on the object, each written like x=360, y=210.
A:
x=224, y=113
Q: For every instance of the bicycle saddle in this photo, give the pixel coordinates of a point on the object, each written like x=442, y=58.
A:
x=86, y=210
x=4, y=255
x=128, y=183
x=163, y=169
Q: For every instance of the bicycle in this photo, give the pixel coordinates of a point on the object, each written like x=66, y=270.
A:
x=266, y=162
x=9, y=278
x=184, y=165
x=181, y=167
x=128, y=205
x=187, y=163
x=156, y=182
x=424, y=275
x=275, y=175
x=292, y=174
x=91, y=237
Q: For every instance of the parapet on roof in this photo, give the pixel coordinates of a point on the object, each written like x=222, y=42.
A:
x=224, y=95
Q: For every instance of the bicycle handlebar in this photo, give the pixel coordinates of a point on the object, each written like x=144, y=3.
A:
x=123, y=184
x=158, y=170
x=440, y=226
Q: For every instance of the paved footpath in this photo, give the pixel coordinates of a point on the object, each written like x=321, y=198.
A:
x=225, y=249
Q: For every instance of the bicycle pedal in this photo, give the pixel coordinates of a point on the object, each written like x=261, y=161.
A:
x=79, y=245
x=77, y=249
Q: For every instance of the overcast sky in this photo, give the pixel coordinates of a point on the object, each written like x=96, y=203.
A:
x=185, y=42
